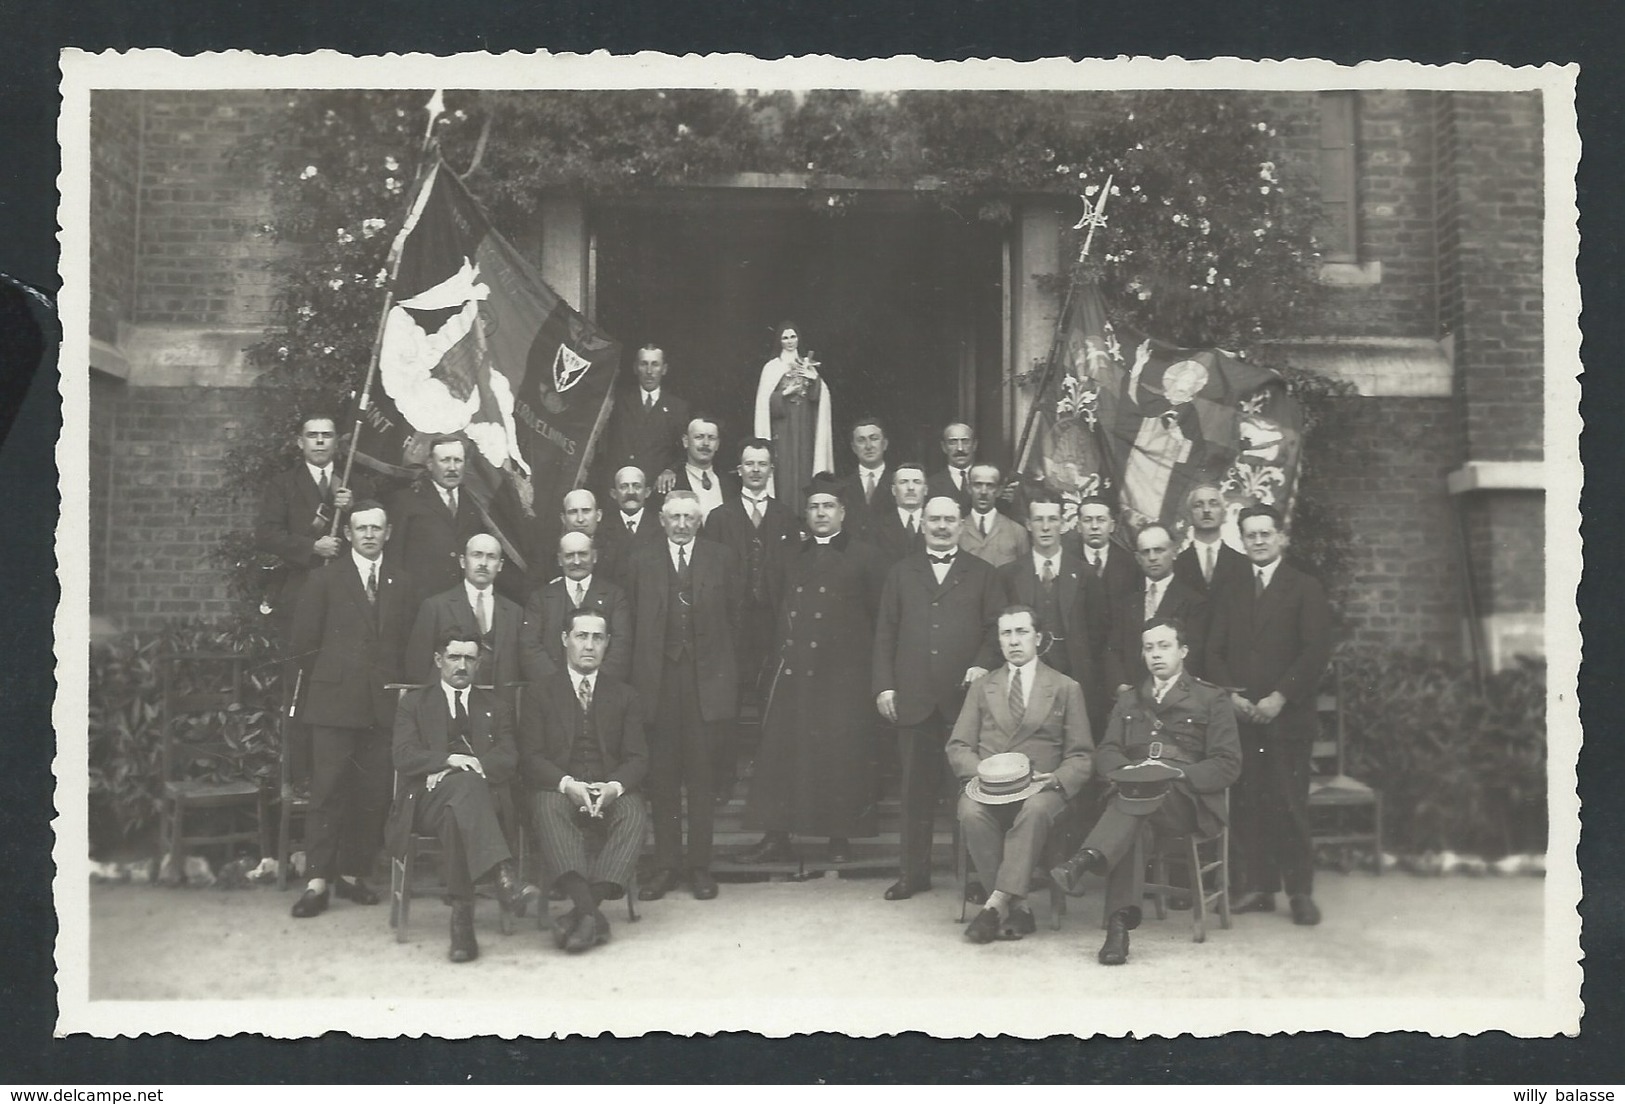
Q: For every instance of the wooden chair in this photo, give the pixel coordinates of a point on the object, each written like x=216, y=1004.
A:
x=403, y=868
x=200, y=705
x=1333, y=795
x=1189, y=851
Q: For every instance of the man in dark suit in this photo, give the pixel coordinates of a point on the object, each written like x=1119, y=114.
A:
x=1030, y=710
x=547, y=614
x=584, y=754
x=1110, y=563
x=763, y=533
x=433, y=519
x=349, y=633
x=899, y=529
x=699, y=474
x=685, y=609
x=474, y=607
x=1208, y=565
x=580, y=514
x=1161, y=595
x=295, y=524
x=647, y=426
x=635, y=522
x=867, y=491
x=932, y=639
x=1190, y=725
x=1070, y=601
x=953, y=481
x=1270, y=641
x=454, y=750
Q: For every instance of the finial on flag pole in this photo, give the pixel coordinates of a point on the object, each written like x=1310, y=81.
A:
x=436, y=107
x=1093, y=216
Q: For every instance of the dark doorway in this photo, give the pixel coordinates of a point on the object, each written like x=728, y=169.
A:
x=900, y=301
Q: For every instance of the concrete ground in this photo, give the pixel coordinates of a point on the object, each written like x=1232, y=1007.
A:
x=827, y=939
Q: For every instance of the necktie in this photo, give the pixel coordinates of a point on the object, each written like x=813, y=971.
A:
x=1018, y=702
x=1152, y=601
x=460, y=720
x=868, y=486
x=1048, y=575
x=372, y=584
x=756, y=512
x=1258, y=582
x=324, y=485
x=981, y=521
x=631, y=528
x=648, y=400
x=482, y=616
x=584, y=693
x=580, y=595
x=705, y=480
x=451, y=499
x=913, y=530
x=1207, y=563
x=1098, y=562
x=682, y=560
x=1160, y=689
x=959, y=480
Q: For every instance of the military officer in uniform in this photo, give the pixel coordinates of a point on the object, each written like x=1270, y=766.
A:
x=1175, y=719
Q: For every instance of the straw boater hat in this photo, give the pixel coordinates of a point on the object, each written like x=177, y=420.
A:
x=1003, y=778
x=1141, y=786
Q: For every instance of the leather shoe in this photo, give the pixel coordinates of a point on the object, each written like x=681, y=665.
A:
x=310, y=904
x=1254, y=902
x=773, y=848
x=1114, y=952
x=562, y=927
x=984, y=927
x=1304, y=909
x=513, y=894
x=464, y=947
x=703, y=885
x=840, y=851
x=1069, y=875
x=903, y=889
x=358, y=891
x=1020, y=922
x=591, y=929
x=659, y=884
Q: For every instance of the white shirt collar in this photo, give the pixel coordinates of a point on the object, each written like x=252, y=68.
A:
x=631, y=521
x=317, y=473
x=1024, y=673
x=904, y=513
x=451, y=693
x=1054, y=559
x=1156, y=586
x=751, y=496
x=1268, y=570
x=365, y=566
x=490, y=595
x=671, y=551
x=1159, y=688
x=571, y=584
x=825, y=540
x=647, y=397
x=579, y=677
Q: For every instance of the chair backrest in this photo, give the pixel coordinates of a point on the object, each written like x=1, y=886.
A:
x=1326, y=754
x=202, y=714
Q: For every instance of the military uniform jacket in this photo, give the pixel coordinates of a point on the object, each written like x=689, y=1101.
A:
x=346, y=648
x=1196, y=727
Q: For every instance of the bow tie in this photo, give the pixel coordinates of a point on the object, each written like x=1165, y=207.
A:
x=945, y=558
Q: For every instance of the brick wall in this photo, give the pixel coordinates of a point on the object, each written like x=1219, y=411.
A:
x=1385, y=473
x=167, y=446
x=201, y=258
x=115, y=130
x=106, y=403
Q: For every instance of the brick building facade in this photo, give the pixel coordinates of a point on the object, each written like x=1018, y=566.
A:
x=1434, y=312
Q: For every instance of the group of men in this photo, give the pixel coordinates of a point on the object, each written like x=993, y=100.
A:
x=892, y=607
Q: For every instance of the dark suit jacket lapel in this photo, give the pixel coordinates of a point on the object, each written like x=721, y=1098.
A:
x=1266, y=604
x=956, y=574
x=356, y=590
x=436, y=720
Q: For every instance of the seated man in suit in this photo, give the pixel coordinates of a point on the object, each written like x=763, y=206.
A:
x=541, y=638
x=473, y=606
x=454, y=750
x=584, y=753
x=988, y=533
x=1177, y=720
x=1029, y=709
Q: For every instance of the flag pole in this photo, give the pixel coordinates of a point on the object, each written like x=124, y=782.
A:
x=435, y=107
x=1093, y=217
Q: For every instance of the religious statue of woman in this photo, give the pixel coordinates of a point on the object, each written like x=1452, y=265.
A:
x=793, y=411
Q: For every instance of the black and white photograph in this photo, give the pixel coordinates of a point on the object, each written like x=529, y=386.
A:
x=720, y=544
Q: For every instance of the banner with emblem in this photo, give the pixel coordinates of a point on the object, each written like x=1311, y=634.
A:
x=1140, y=422
x=475, y=343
